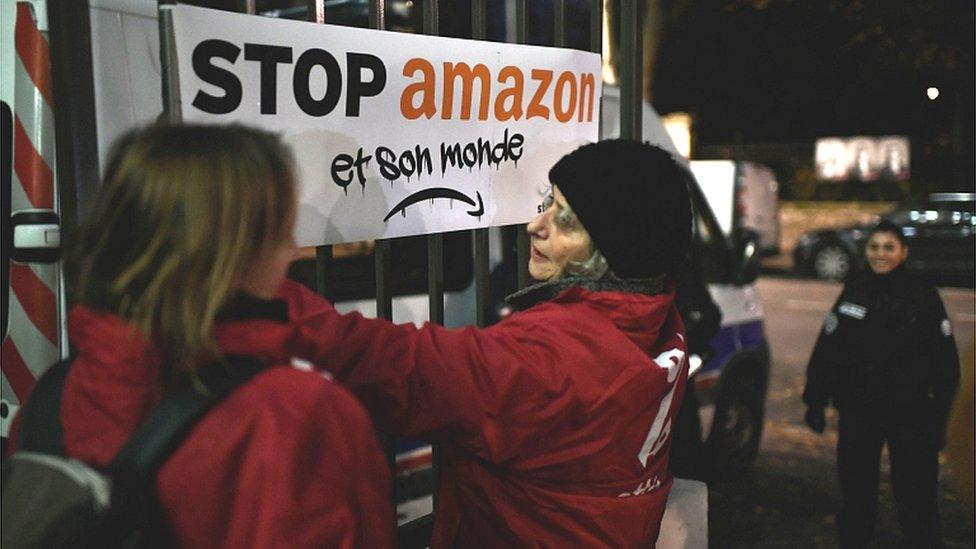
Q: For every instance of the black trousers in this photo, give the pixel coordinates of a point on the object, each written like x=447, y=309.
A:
x=914, y=456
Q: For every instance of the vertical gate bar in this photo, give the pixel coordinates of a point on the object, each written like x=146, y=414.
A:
x=435, y=242
x=384, y=309
x=377, y=14
x=381, y=253
x=316, y=10
x=323, y=254
x=435, y=255
x=432, y=17
x=381, y=250
x=479, y=31
x=435, y=277
x=521, y=236
x=521, y=21
x=435, y=296
x=384, y=297
x=481, y=276
x=559, y=23
x=170, y=75
x=631, y=70
x=323, y=267
x=596, y=26
x=479, y=20
x=596, y=43
x=247, y=6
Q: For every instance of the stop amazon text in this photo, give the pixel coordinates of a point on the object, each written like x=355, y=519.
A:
x=431, y=90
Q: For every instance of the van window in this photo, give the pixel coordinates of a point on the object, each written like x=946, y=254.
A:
x=708, y=246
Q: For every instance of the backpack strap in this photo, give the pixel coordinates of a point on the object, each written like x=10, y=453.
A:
x=133, y=470
x=156, y=436
x=174, y=417
x=134, y=518
x=40, y=423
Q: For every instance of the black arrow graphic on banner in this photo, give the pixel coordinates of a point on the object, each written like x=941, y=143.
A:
x=438, y=192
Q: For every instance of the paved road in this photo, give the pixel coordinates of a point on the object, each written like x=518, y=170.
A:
x=789, y=498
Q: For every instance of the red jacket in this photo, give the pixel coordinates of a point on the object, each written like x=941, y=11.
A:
x=290, y=459
x=556, y=420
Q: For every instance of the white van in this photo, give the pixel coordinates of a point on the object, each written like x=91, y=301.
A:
x=742, y=194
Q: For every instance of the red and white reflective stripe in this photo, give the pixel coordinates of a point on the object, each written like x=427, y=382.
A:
x=421, y=458
x=33, y=339
x=34, y=119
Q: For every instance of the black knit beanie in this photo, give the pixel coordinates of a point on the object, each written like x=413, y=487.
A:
x=632, y=198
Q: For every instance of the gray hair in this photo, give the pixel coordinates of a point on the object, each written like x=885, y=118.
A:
x=595, y=266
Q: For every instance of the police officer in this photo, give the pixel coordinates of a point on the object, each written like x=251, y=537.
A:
x=887, y=360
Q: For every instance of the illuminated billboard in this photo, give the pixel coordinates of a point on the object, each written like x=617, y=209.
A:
x=863, y=158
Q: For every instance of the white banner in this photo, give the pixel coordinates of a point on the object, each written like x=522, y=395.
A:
x=394, y=134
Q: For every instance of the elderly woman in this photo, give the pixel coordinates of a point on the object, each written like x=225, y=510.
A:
x=555, y=421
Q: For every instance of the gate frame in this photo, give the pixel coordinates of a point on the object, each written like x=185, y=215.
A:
x=417, y=533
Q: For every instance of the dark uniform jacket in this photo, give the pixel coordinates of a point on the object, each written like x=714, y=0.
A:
x=886, y=351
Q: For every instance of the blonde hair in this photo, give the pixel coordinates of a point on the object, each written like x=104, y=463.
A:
x=181, y=214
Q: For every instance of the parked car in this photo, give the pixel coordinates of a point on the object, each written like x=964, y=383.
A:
x=939, y=232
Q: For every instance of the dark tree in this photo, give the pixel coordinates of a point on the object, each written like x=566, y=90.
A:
x=793, y=70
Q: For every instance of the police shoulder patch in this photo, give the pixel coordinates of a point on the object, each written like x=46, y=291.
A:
x=946, y=327
x=830, y=323
x=852, y=310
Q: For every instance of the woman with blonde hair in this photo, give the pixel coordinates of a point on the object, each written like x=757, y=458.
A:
x=178, y=264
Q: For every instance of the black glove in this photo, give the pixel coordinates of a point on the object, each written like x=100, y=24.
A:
x=815, y=419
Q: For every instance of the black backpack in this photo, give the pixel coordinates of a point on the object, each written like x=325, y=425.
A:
x=49, y=500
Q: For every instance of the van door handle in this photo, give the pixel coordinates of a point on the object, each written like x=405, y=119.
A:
x=36, y=237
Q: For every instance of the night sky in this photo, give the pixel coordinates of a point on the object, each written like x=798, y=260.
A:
x=768, y=69
x=802, y=69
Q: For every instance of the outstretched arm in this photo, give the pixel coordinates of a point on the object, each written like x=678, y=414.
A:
x=469, y=385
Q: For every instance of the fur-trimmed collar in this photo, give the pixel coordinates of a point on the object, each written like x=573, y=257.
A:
x=545, y=291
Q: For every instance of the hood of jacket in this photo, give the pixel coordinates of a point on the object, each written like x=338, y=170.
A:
x=116, y=373
x=637, y=307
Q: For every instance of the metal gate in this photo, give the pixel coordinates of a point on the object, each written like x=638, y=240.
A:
x=417, y=533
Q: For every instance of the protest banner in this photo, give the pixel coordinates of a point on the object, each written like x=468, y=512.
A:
x=393, y=134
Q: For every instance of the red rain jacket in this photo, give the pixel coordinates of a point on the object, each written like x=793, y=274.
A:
x=555, y=421
x=290, y=459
